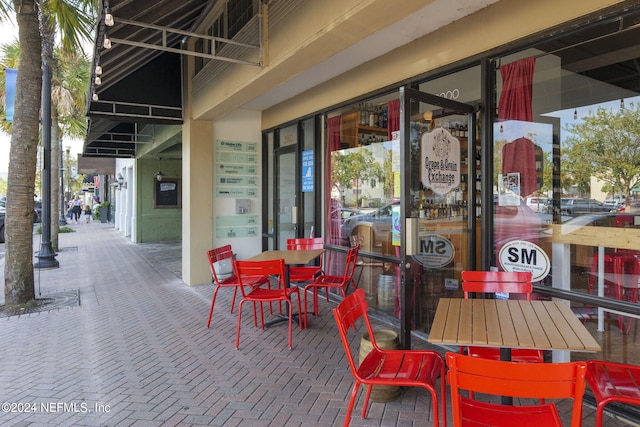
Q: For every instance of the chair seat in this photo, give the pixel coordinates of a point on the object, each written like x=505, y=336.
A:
x=517, y=355
x=483, y=414
x=400, y=367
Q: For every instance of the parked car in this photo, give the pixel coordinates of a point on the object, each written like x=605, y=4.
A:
x=37, y=211
x=378, y=222
x=579, y=206
x=537, y=204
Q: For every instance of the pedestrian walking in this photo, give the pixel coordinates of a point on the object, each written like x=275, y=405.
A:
x=77, y=208
x=87, y=213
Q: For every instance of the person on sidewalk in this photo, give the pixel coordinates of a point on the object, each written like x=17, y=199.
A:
x=87, y=213
x=77, y=208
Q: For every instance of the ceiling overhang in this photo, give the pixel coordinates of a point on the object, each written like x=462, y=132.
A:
x=139, y=85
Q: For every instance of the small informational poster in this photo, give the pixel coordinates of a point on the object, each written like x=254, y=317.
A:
x=509, y=189
x=307, y=171
x=440, y=161
x=236, y=169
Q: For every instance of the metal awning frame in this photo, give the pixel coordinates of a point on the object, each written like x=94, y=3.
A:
x=210, y=39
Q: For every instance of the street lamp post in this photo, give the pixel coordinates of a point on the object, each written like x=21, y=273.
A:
x=63, y=218
x=46, y=256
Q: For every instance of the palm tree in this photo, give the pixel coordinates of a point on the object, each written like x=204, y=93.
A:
x=69, y=88
x=73, y=21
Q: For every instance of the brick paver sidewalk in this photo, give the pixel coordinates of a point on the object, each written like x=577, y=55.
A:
x=136, y=351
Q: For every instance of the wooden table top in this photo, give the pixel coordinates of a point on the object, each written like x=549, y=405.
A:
x=298, y=256
x=543, y=325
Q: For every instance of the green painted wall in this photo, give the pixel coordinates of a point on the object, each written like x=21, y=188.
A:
x=156, y=224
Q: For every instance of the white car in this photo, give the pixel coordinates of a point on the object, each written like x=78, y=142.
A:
x=537, y=204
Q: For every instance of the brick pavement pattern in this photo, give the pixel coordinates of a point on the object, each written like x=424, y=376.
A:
x=136, y=351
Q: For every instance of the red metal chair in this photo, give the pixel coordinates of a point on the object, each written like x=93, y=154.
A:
x=305, y=273
x=613, y=382
x=246, y=270
x=494, y=282
x=524, y=380
x=223, y=276
x=403, y=368
x=327, y=281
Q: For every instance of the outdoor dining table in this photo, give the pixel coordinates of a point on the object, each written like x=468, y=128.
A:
x=290, y=257
x=508, y=324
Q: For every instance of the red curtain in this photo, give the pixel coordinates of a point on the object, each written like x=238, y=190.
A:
x=517, y=88
x=332, y=227
x=518, y=156
x=393, y=119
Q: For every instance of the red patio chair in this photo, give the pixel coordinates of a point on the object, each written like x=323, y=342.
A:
x=524, y=380
x=223, y=276
x=403, y=368
x=494, y=282
x=305, y=273
x=246, y=270
x=613, y=382
x=337, y=282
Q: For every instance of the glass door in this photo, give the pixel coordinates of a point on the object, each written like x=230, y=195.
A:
x=440, y=202
x=286, y=196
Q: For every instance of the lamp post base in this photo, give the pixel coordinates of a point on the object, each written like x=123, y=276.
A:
x=46, y=258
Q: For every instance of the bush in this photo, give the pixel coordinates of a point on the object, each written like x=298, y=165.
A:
x=96, y=209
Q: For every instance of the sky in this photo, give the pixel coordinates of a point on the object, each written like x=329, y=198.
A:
x=7, y=33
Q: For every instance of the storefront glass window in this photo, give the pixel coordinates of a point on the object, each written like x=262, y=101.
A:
x=364, y=179
x=567, y=172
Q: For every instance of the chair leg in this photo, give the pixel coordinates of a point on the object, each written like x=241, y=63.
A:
x=239, y=323
x=600, y=414
x=365, y=404
x=352, y=402
x=290, y=333
x=213, y=302
x=233, y=300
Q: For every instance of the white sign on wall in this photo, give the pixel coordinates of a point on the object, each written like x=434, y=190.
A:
x=440, y=161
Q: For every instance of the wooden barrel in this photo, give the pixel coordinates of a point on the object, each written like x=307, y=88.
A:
x=386, y=293
x=386, y=340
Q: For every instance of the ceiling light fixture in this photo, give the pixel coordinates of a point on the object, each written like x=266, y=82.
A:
x=107, y=41
x=98, y=70
x=108, y=17
x=97, y=81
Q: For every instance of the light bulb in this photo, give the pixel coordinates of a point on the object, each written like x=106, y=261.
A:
x=108, y=18
x=107, y=42
x=98, y=70
x=95, y=97
x=97, y=81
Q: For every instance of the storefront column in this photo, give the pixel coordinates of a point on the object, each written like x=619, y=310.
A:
x=197, y=200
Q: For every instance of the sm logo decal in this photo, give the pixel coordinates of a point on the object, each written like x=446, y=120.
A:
x=435, y=251
x=520, y=255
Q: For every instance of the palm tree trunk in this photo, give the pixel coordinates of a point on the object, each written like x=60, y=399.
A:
x=19, y=277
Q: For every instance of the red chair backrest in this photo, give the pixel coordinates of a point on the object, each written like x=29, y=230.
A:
x=219, y=254
x=272, y=268
x=305, y=243
x=515, y=379
x=350, y=264
x=347, y=313
x=497, y=281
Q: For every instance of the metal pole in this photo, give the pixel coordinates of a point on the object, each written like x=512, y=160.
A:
x=63, y=217
x=46, y=256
